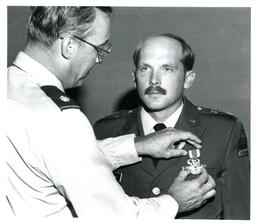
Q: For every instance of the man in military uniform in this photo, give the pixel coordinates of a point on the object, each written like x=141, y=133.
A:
x=52, y=156
x=163, y=70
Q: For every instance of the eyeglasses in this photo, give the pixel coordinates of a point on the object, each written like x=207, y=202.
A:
x=101, y=52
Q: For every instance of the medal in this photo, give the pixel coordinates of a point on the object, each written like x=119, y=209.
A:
x=194, y=153
x=194, y=164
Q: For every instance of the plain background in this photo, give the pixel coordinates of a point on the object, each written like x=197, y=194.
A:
x=220, y=38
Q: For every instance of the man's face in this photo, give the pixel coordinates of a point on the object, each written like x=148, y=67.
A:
x=86, y=56
x=160, y=74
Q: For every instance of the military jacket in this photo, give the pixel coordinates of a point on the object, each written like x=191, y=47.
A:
x=224, y=152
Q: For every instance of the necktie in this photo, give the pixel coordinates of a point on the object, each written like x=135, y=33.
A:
x=158, y=127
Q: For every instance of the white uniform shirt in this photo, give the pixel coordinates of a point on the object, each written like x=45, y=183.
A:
x=52, y=155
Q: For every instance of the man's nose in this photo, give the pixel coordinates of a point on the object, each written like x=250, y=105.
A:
x=155, y=78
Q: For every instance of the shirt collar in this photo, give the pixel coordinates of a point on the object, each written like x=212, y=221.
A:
x=148, y=122
x=36, y=71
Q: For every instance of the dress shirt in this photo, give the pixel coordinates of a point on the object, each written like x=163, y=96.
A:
x=53, y=155
x=148, y=122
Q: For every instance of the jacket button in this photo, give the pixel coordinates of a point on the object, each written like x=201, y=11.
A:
x=156, y=191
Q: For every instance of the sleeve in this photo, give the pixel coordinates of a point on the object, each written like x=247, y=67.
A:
x=165, y=207
x=120, y=151
x=235, y=178
x=84, y=176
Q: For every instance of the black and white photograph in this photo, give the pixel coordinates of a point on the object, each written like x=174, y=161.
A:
x=128, y=112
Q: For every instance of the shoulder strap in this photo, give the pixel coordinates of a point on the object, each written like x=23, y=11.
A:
x=62, y=100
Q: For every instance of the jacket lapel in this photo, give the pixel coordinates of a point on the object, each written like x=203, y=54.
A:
x=189, y=120
x=146, y=162
x=134, y=125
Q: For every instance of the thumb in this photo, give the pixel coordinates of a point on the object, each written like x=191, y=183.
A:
x=183, y=174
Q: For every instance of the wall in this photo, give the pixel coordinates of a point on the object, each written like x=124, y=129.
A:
x=220, y=38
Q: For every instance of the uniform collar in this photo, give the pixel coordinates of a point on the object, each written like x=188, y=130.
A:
x=148, y=122
x=38, y=73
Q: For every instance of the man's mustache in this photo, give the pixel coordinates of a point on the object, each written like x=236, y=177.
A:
x=155, y=90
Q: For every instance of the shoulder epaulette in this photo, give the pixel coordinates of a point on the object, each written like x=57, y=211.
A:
x=119, y=114
x=59, y=98
x=243, y=147
x=210, y=111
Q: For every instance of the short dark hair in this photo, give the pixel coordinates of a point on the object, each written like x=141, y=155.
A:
x=188, y=56
x=47, y=24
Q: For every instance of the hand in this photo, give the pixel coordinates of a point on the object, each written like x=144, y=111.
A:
x=191, y=194
x=161, y=144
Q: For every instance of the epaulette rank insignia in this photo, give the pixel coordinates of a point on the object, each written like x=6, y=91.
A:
x=215, y=112
x=119, y=114
x=243, y=148
x=59, y=98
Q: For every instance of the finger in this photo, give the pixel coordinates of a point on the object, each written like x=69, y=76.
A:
x=204, y=202
x=209, y=185
x=183, y=174
x=180, y=145
x=181, y=135
x=211, y=180
x=209, y=194
x=203, y=177
x=197, y=145
x=176, y=153
x=192, y=137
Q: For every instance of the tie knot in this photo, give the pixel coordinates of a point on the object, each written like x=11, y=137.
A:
x=159, y=127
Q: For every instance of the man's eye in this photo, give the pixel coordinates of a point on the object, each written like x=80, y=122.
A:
x=168, y=69
x=143, y=69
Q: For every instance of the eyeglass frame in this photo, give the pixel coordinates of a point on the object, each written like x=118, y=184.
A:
x=101, y=52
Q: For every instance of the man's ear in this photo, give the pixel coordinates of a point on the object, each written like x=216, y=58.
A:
x=134, y=78
x=189, y=79
x=68, y=47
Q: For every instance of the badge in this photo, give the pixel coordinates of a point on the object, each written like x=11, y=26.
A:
x=194, y=163
x=64, y=98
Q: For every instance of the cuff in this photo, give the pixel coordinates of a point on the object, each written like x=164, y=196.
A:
x=169, y=206
x=120, y=151
x=157, y=209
